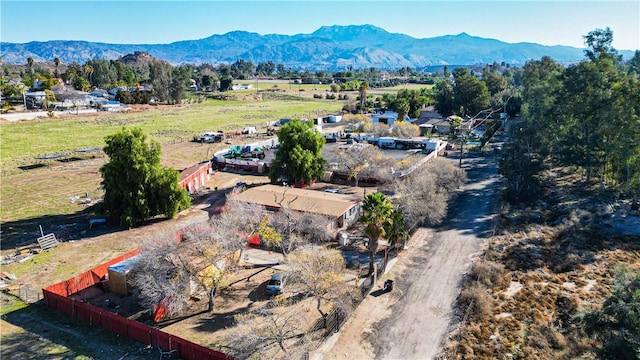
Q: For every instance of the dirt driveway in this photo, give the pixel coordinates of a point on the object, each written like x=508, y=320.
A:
x=413, y=320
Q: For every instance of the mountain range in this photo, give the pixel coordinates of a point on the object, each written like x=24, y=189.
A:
x=329, y=47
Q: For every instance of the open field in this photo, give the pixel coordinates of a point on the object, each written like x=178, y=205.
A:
x=22, y=141
x=33, y=188
x=289, y=86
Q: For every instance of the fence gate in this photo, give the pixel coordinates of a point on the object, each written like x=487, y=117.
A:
x=28, y=293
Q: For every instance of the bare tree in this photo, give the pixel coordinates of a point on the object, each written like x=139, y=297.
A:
x=156, y=277
x=448, y=176
x=380, y=129
x=269, y=332
x=422, y=196
x=319, y=272
x=168, y=268
x=315, y=228
x=236, y=223
x=75, y=97
x=361, y=161
x=281, y=229
x=403, y=129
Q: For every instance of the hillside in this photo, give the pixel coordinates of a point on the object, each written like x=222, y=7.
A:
x=330, y=47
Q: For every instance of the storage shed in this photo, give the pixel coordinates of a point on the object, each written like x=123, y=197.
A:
x=118, y=274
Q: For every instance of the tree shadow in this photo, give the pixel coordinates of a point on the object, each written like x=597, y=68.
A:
x=219, y=321
x=480, y=196
x=75, y=226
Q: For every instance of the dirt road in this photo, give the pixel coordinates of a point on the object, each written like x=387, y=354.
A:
x=413, y=321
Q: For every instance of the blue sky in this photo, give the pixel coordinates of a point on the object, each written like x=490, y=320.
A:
x=158, y=22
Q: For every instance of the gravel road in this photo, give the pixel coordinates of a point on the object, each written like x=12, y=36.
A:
x=413, y=321
x=421, y=319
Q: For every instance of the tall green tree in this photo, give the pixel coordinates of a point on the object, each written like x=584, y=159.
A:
x=299, y=155
x=444, y=98
x=136, y=186
x=396, y=229
x=587, y=101
x=470, y=94
x=30, y=63
x=378, y=216
x=88, y=70
x=362, y=90
x=534, y=136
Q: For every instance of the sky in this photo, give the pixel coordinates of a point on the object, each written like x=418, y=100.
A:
x=561, y=22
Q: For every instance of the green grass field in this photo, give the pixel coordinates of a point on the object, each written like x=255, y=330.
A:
x=23, y=141
x=33, y=188
x=46, y=189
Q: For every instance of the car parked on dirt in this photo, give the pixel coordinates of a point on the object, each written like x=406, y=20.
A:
x=211, y=137
x=276, y=284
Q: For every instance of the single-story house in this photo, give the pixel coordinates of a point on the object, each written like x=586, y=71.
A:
x=193, y=178
x=343, y=208
x=35, y=99
x=387, y=117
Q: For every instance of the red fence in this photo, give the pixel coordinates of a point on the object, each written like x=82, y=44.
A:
x=56, y=297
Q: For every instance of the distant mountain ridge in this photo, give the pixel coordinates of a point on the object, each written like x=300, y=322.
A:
x=329, y=47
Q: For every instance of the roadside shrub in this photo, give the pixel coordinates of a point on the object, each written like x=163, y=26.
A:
x=476, y=302
x=488, y=273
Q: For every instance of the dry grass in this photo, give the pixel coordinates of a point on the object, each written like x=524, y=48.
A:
x=549, y=265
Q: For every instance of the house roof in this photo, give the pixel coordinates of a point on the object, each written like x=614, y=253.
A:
x=312, y=201
x=192, y=170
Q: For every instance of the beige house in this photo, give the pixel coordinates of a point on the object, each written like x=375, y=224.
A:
x=344, y=209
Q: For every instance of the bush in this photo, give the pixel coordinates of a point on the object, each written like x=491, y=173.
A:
x=488, y=273
x=476, y=302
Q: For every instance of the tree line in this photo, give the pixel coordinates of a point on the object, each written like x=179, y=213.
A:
x=585, y=116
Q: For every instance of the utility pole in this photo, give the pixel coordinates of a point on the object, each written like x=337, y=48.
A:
x=461, y=150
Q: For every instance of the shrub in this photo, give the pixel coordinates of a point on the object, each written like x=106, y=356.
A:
x=476, y=302
x=488, y=273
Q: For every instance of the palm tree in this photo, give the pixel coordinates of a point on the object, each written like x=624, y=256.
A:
x=56, y=62
x=395, y=230
x=88, y=70
x=402, y=109
x=364, y=86
x=378, y=212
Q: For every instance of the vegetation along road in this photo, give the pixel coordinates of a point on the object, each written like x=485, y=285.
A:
x=413, y=321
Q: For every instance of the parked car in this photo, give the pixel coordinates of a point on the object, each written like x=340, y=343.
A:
x=211, y=137
x=276, y=284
